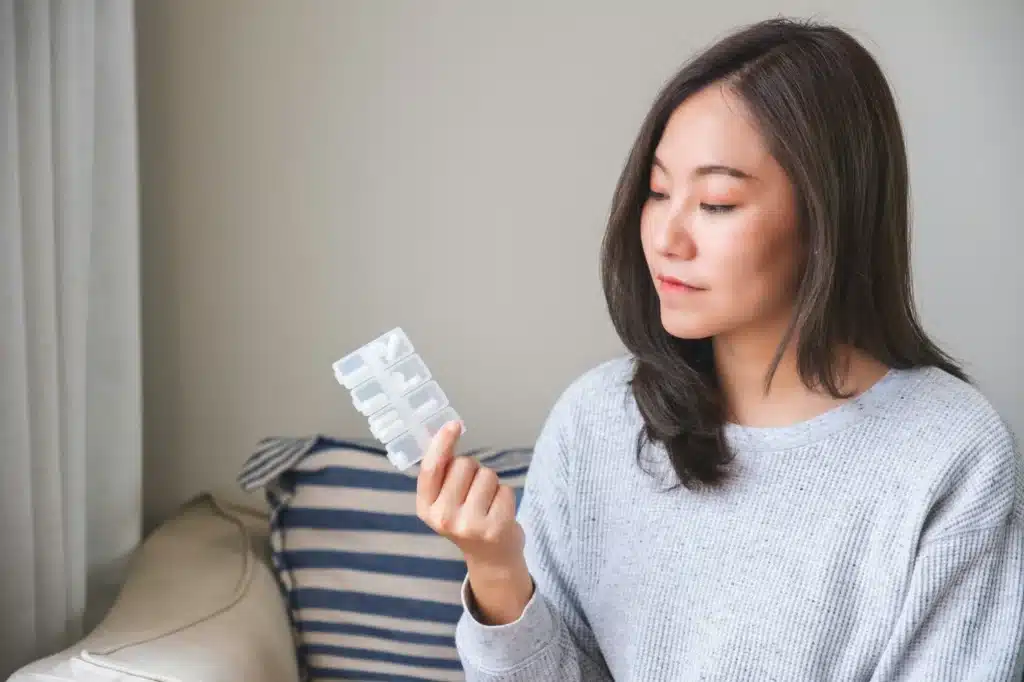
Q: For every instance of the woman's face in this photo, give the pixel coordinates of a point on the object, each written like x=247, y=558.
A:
x=719, y=229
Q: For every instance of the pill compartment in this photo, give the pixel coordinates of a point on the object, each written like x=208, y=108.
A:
x=389, y=348
x=426, y=400
x=437, y=422
x=407, y=450
x=387, y=425
x=408, y=374
x=369, y=397
x=404, y=452
x=352, y=370
x=359, y=365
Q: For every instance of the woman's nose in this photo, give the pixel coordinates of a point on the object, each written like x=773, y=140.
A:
x=672, y=235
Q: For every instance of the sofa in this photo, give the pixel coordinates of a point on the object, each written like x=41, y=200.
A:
x=200, y=604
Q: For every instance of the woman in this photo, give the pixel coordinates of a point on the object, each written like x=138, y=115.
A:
x=785, y=479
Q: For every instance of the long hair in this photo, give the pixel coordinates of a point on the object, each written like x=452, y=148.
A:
x=829, y=119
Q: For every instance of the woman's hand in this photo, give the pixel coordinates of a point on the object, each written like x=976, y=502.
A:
x=464, y=502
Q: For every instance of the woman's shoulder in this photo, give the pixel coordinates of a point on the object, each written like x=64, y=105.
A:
x=611, y=375
x=596, y=398
x=598, y=390
x=966, y=452
x=594, y=414
x=955, y=410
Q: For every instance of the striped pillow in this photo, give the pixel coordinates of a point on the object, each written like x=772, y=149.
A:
x=373, y=593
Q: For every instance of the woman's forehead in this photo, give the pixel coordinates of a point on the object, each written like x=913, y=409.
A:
x=711, y=127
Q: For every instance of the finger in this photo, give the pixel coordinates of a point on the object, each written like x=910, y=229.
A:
x=456, y=483
x=435, y=464
x=503, y=507
x=442, y=445
x=481, y=492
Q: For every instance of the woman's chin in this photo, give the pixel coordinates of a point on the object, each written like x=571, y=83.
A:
x=686, y=326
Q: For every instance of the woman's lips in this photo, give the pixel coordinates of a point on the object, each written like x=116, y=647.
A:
x=673, y=285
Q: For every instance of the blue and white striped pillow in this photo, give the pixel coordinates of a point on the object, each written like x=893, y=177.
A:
x=373, y=593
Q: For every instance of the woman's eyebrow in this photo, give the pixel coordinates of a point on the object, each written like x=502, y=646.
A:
x=722, y=170
x=711, y=169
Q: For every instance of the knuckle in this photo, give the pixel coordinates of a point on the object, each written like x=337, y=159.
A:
x=487, y=475
x=492, y=534
x=508, y=502
x=465, y=465
x=477, y=525
x=465, y=528
x=444, y=521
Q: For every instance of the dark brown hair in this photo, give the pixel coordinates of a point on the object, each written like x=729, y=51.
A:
x=829, y=119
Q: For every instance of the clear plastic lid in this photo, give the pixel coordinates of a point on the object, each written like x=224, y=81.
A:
x=392, y=387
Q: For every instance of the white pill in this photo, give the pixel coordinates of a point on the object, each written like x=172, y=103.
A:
x=394, y=342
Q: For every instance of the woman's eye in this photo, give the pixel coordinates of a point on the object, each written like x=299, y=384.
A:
x=657, y=196
x=717, y=208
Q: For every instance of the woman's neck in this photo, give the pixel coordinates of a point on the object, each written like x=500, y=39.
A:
x=743, y=361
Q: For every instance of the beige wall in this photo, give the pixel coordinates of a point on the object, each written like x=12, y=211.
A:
x=315, y=173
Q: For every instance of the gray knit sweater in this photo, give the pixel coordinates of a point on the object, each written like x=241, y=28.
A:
x=882, y=541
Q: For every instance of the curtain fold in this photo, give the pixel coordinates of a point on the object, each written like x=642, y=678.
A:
x=70, y=377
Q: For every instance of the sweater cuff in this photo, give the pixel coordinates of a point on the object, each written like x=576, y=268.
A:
x=503, y=647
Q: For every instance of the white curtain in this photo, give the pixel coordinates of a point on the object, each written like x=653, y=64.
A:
x=70, y=385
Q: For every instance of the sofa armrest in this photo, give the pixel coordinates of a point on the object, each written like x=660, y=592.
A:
x=200, y=605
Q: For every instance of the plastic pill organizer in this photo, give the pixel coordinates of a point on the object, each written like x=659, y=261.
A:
x=392, y=387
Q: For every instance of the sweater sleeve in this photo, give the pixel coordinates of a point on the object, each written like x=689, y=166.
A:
x=963, y=616
x=552, y=640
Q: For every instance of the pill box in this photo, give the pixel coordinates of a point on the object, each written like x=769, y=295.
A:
x=392, y=387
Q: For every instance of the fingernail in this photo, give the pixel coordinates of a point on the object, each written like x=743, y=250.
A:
x=454, y=427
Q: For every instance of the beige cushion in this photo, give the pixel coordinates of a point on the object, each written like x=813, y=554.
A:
x=200, y=603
